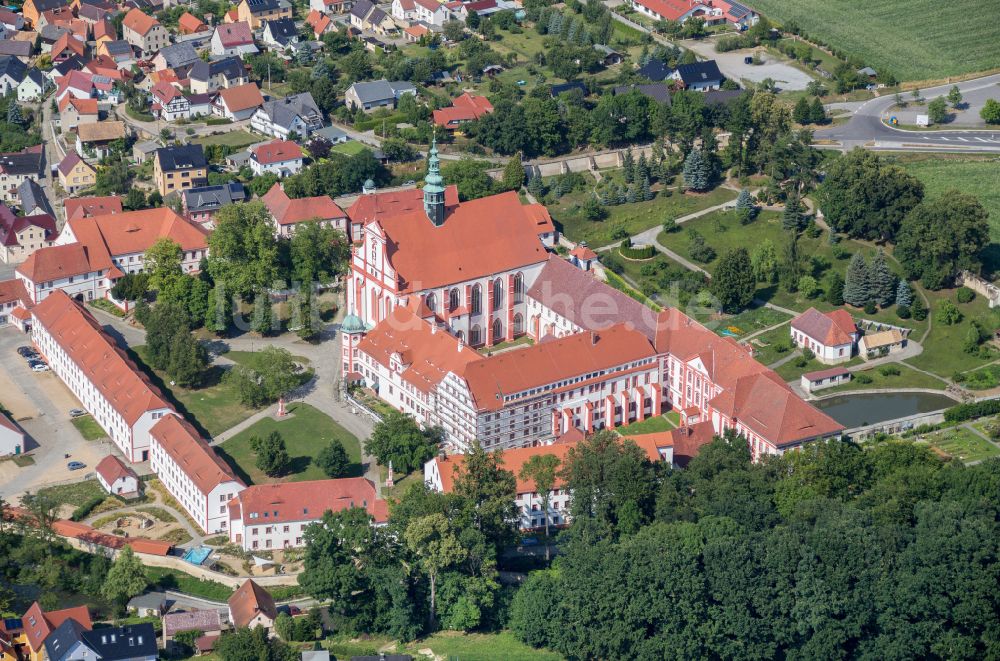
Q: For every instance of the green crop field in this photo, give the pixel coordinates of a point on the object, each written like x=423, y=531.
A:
x=976, y=176
x=915, y=40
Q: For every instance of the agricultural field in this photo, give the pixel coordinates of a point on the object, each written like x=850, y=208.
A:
x=917, y=40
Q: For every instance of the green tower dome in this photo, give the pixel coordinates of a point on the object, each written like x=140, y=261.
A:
x=352, y=324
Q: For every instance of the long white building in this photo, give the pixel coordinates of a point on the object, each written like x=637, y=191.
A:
x=108, y=384
x=275, y=516
x=193, y=473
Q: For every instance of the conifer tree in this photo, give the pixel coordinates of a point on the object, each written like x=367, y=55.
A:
x=817, y=114
x=696, y=171
x=628, y=166
x=857, y=290
x=647, y=193
x=14, y=114
x=801, y=113
x=630, y=196
x=792, y=219
x=744, y=200
x=904, y=297
x=882, y=281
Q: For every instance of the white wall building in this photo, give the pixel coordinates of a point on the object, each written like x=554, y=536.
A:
x=109, y=386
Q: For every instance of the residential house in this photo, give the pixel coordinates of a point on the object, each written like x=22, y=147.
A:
x=655, y=70
x=75, y=174
x=33, y=87
x=828, y=378
x=572, y=86
x=12, y=73
x=91, y=206
x=93, y=139
x=252, y=606
x=829, y=335
x=280, y=157
x=466, y=108
x=168, y=103
x=108, y=384
x=320, y=23
x=104, y=31
x=180, y=167
x=233, y=39
x=189, y=24
x=208, y=77
x=62, y=69
x=71, y=642
x=332, y=134
x=180, y=57
x=255, y=12
x=280, y=33
x=39, y=625
x=365, y=15
x=74, y=111
x=201, y=204
x=13, y=310
x=376, y=94
x=19, y=48
x=66, y=47
x=144, y=32
x=11, y=21
x=17, y=168
x=275, y=516
x=117, y=478
x=701, y=76
x=32, y=9
x=432, y=12
x=32, y=199
x=659, y=92
x=403, y=10
x=118, y=50
x=22, y=235
x=149, y=604
x=77, y=84
x=415, y=33
x=609, y=56
x=11, y=436
x=296, y=113
x=288, y=213
x=237, y=103
x=193, y=473
x=331, y=6
x=881, y=343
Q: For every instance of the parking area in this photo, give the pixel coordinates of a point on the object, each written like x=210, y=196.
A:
x=40, y=403
x=732, y=66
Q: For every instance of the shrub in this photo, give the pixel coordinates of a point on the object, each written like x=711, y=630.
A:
x=862, y=378
x=782, y=347
x=808, y=354
x=801, y=361
x=965, y=295
x=889, y=370
x=972, y=410
x=903, y=312
x=637, y=252
x=870, y=307
x=81, y=512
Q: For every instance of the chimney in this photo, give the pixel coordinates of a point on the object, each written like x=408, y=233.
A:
x=594, y=337
x=461, y=344
x=434, y=329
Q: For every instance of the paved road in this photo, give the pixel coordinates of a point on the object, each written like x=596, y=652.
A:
x=866, y=127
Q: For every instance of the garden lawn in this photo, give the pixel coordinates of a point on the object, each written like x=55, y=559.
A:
x=479, y=647
x=215, y=407
x=942, y=352
x=920, y=40
x=74, y=494
x=630, y=218
x=772, y=346
x=306, y=431
x=647, y=426
x=750, y=321
x=976, y=176
x=171, y=579
x=962, y=444
x=249, y=358
x=349, y=148
x=88, y=428
x=234, y=139
x=907, y=378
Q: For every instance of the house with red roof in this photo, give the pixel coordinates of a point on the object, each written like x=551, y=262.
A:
x=280, y=157
x=237, y=103
x=67, y=46
x=87, y=207
x=275, y=516
x=20, y=236
x=117, y=478
x=168, y=102
x=38, y=625
x=320, y=23
x=11, y=436
x=832, y=336
x=233, y=39
x=98, y=372
x=14, y=303
x=192, y=472
x=74, y=111
x=144, y=32
x=465, y=108
x=713, y=12
x=287, y=213
x=189, y=24
x=252, y=606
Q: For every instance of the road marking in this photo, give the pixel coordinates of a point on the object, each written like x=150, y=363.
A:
x=960, y=138
x=945, y=139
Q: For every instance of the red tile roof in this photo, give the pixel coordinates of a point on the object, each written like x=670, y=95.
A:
x=478, y=238
x=250, y=600
x=318, y=21
x=112, y=469
x=89, y=535
x=465, y=108
x=510, y=372
x=68, y=41
x=305, y=501
x=56, y=262
x=139, y=22
x=426, y=355
x=583, y=252
x=12, y=290
x=686, y=441
x=234, y=34
x=287, y=211
x=189, y=24
x=277, y=151
x=9, y=424
x=827, y=328
x=10, y=225
x=512, y=459
x=126, y=388
x=192, y=454
x=390, y=203
x=819, y=375
x=67, y=164
x=82, y=106
x=38, y=624
x=670, y=10
x=241, y=97
x=83, y=207
x=135, y=232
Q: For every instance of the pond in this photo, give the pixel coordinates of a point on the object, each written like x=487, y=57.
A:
x=869, y=408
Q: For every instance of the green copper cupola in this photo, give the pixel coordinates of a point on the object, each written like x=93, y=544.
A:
x=434, y=188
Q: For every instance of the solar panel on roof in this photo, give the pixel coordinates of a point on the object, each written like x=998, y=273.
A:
x=737, y=10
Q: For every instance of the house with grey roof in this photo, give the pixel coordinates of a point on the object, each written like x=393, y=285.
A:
x=16, y=48
x=201, y=204
x=297, y=113
x=180, y=57
x=33, y=200
x=280, y=33
x=33, y=86
x=208, y=77
x=369, y=96
x=12, y=72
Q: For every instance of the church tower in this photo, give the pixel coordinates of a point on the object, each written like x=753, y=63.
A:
x=434, y=188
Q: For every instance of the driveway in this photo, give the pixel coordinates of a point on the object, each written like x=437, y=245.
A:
x=40, y=404
x=731, y=64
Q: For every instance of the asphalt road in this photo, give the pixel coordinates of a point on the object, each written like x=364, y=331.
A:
x=866, y=127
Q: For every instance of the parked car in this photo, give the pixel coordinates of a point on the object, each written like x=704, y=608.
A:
x=26, y=352
x=40, y=367
x=76, y=465
x=76, y=413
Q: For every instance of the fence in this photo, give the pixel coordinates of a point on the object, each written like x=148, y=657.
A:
x=984, y=288
x=897, y=426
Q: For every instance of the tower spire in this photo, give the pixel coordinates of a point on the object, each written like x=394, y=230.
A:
x=434, y=186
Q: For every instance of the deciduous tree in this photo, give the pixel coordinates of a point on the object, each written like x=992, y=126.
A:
x=733, y=282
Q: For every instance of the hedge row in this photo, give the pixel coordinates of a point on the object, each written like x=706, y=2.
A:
x=81, y=512
x=963, y=412
x=640, y=252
